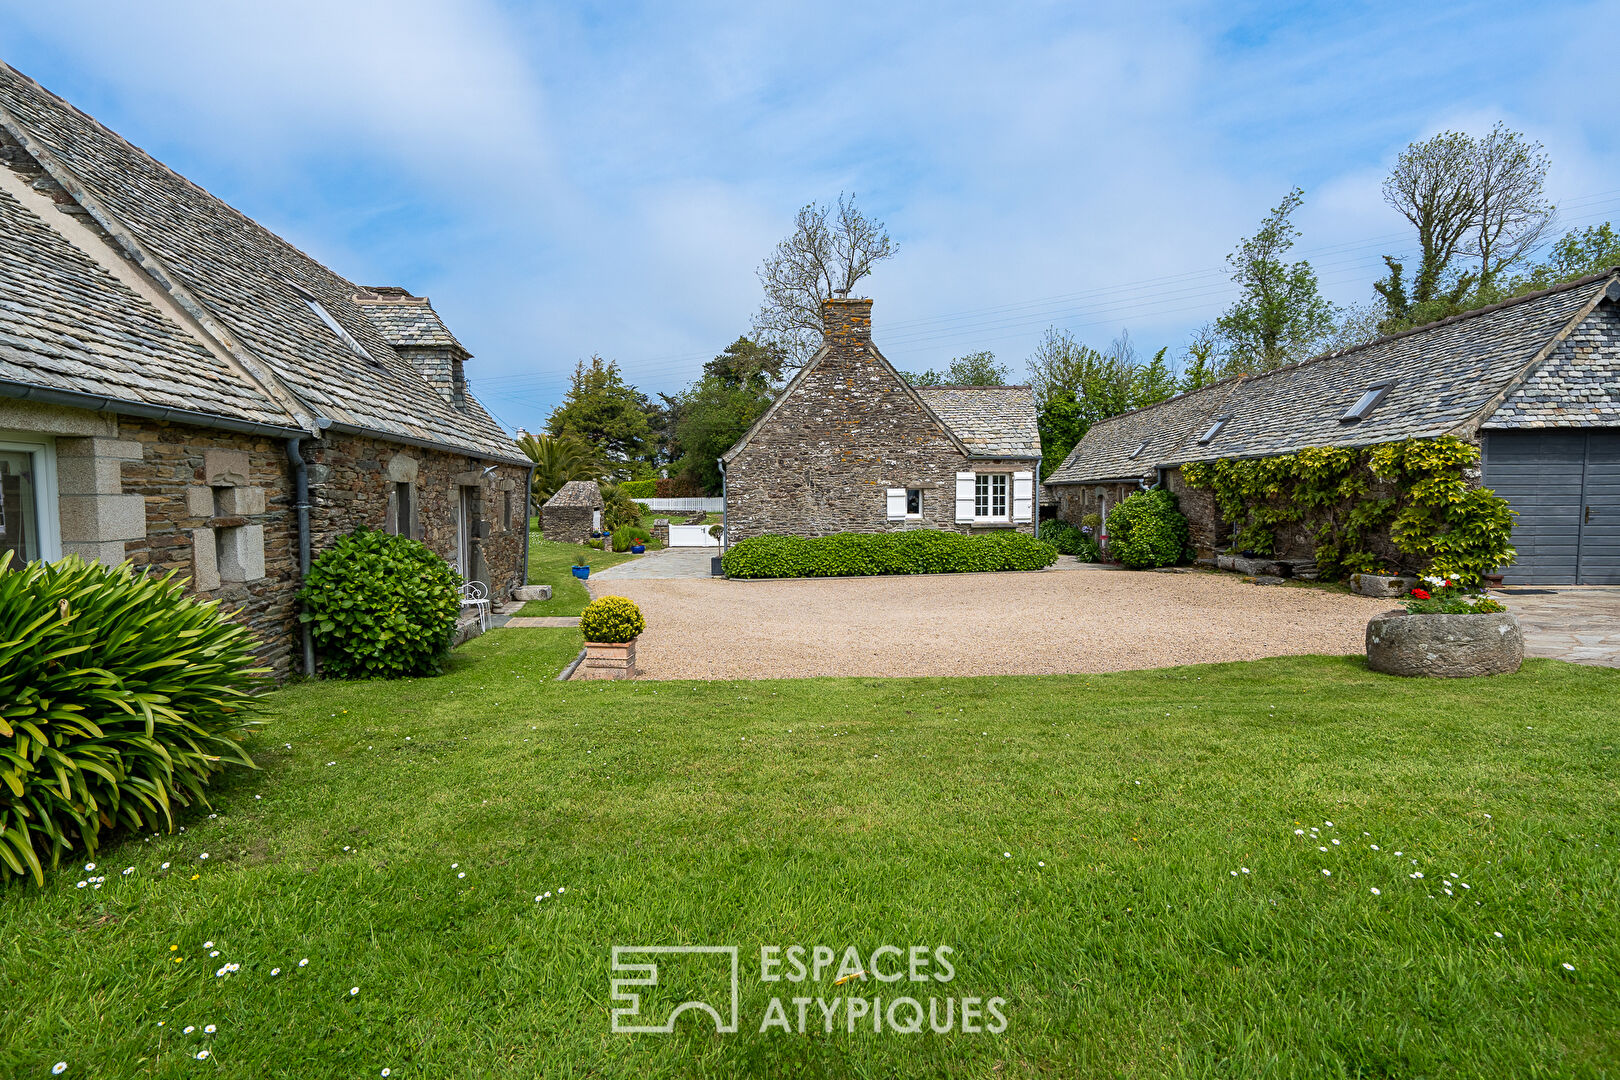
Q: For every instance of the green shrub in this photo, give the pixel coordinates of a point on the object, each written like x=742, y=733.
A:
x=920, y=551
x=597, y=544
x=611, y=619
x=120, y=697
x=1147, y=530
x=626, y=536
x=640, y=489
x=1092, y=521
x=380, y=606
x=618, y=508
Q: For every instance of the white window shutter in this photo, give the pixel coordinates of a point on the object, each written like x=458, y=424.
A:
x=1023, y=496
x=964, y=496
x=897, y=504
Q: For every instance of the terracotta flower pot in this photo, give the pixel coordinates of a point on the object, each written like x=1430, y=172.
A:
x=608, y=660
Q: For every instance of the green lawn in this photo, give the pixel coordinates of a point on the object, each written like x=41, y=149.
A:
x=1077, y=841
x=551, y=563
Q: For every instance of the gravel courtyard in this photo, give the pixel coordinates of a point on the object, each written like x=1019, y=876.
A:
x=1086, y=619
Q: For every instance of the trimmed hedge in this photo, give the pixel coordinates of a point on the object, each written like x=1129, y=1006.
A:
x=640, y=489
x=921, y=551
x=1147, y=530
x=120, y=698
x=380, y=606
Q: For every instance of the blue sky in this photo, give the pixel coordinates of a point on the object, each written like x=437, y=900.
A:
x=563, y=180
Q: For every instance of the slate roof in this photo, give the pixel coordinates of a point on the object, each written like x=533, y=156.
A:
x=240, y=272
x=991, y=421
x=66, y=323
x=405, y=320
x=1445, y=376
x=577, y=493
x=1578, y=386
x=1114, y=450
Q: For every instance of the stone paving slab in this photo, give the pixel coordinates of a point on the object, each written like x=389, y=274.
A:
x=664, y=563
x=531, y=622
x=1578, y=623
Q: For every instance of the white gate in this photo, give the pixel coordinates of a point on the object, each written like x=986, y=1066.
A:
x=691, y=536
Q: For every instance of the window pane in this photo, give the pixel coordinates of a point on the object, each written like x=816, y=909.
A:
x=914, y=501
x=19, y=524
x=998, y=495
x=981, y=495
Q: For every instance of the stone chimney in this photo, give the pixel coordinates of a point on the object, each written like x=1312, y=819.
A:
x=846, y=322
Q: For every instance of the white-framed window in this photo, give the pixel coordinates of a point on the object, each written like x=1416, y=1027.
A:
x=28, y=521
x=990, y=496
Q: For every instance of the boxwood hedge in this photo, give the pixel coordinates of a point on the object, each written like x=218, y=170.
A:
x=1147, y=530
x=920, y=551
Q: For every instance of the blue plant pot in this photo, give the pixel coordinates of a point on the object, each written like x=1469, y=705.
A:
x=582, y=572
x=638, y=549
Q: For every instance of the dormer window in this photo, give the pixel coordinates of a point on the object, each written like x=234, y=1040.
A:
x=1214, y=429
x=1138, y=451
x=1366, y=403
x=335, y=326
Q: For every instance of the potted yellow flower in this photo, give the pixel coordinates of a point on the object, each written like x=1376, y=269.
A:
x=611, y=625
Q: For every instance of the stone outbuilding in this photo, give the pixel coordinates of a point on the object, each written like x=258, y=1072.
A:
x=1533, y=381
x=850, y=446
x=571, y=515
x=185, y=390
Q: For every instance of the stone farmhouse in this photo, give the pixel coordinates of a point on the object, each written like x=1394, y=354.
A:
x=850, y=446
x=183, y=389
x=1534, y=381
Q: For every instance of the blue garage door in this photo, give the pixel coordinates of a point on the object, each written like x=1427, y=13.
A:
x=1565, y=485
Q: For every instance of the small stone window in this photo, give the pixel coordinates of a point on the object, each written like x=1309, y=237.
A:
x=404, y=509
x=913, y=502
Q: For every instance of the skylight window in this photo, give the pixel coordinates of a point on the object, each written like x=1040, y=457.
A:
x=1214, y=429
x=1366, y=403
x=335, y=326
x=1138, y=451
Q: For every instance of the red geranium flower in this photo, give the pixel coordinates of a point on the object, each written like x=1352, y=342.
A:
x=1421, y=594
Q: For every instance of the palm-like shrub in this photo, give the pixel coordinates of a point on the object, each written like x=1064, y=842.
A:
x=618, y=508
x=611, y=620
x=557, y=460
x=380, y=606
x=120, y=697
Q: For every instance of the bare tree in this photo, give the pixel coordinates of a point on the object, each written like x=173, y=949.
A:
x=831, y=248
x=1511, y=215
x=1432, y=186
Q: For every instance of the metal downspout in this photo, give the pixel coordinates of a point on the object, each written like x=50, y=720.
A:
x=300, y=470
x=528, y=514
x=725, y=511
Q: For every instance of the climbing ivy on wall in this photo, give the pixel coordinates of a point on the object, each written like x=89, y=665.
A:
x=1414, y=492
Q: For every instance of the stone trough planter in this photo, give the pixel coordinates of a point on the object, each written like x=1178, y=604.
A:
x=1445, y=646
x=1377, y=585
x=607, y=660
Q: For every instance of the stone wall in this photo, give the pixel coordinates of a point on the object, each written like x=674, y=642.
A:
x=217, y=507
x=848, y=432
x=352, y=483
x=567, y=524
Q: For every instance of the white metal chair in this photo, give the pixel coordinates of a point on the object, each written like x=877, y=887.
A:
x=475, y=594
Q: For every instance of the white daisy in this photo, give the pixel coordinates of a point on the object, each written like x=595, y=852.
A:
x=304, y=962
x=89, y=866
x=208, y=1029
x=353, y=990
x=202, y=1055
x=1327, y=873
x=561, y=890
x=462, y=874
x=59, y=1068
x=275, y=971
x=1335, y=841
x=128, y=870
x=165, y=866
x=1232, y=872
x=1245, y=869
x=1569, y=967
x=1006, y=854
x=82, y=884
x=1375, y=891
x=189, y=1029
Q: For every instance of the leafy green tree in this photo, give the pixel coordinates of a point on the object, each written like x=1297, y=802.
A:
x=557, y=460
x=747, y=363
x=713, y=416
x=1153, y=381
x=1281, y=316
x=1075, y=386
x=606, y=412
x=1576, y=254
x=1201, y=367
x=974, y=369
